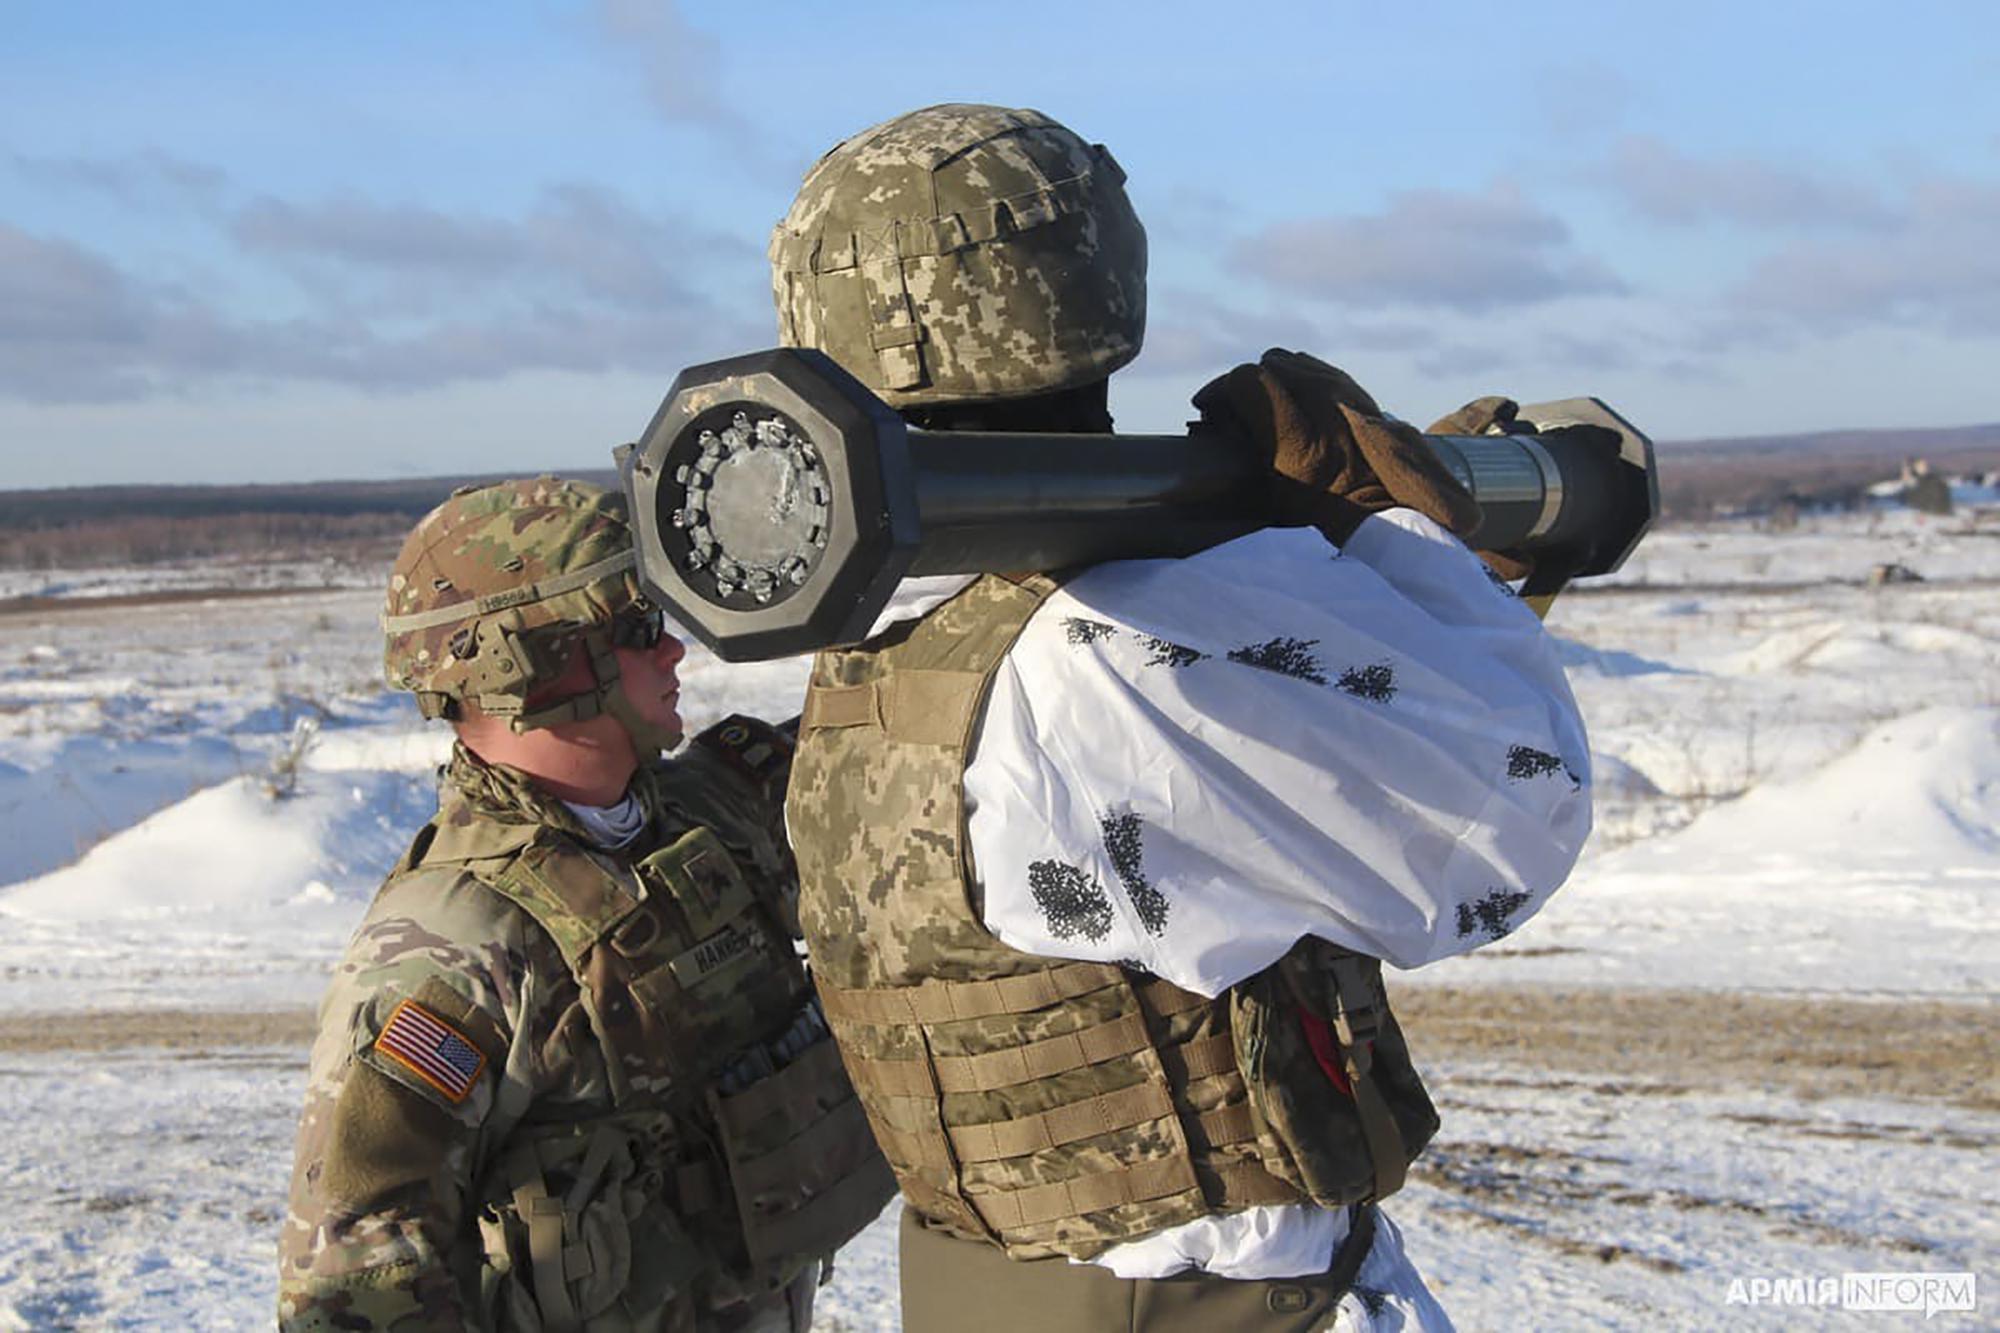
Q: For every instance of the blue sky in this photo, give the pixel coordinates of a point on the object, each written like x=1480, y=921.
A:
x=258, y=242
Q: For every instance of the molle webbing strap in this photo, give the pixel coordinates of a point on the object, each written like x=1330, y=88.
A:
x=522, y=596
x=1005, y=1068
x=1163, y=999
x=542, y=1214
x=877, y=1077
x=1357, y=1021
x=1015, y=1209
x=1015, y=1065
x=1227, y=1125
x=945, y=1001
x=920, y=1158
x=1246, y=1184
x=928, y=1199
x=1199, y=1058
x=893, y=332
x=999, y=1139
x=1378, y=1126
x=927, y=1149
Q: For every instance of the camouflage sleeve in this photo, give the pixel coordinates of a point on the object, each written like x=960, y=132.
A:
x=419, y=1065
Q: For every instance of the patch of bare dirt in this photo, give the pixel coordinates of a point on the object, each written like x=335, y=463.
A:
x=1676, y=1040
x=47, y=606
x=1636, y=1043
x=191, y=1030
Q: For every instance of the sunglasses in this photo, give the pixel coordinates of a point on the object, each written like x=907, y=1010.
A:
x=639, y=629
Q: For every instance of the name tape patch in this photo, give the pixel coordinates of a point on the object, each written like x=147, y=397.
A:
x=728, y=945
x=432, y=1049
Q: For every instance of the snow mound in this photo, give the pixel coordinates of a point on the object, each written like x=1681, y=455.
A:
x=1876, y=873
x=1919, y=791
x=1859, y=650
x=409, y=750
x=231, y=847
x=83, y=789
x=1608, y=662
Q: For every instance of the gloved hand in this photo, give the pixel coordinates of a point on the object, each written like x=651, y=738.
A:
x=1510, y=567
x=1480, y=416
x=1335, y=458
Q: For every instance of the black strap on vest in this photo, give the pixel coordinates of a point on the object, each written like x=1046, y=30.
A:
x=1353, y=1251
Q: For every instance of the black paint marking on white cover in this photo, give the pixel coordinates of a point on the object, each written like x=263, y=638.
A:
x=1284, y=655
x=1124, y=842
x=1525, y=762
x=1162, y=652
x=1375, y=682
x=1072, y=902
x=1492, y=914
x=1082, y=632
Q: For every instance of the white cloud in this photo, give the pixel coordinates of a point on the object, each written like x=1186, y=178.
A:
x=1936, y=267
x=1439, y=248
x=1660, y=182
x=682, y=65
x=403, y=299
x=147, y=177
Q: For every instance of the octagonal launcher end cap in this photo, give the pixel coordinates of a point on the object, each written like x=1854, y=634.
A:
x=1637, y=505
x=773, y=504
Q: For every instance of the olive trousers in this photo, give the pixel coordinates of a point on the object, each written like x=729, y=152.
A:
x=967, y=1286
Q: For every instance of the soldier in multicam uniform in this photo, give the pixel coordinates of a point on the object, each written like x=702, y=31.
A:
x=569, y=1074
x=1096, y=868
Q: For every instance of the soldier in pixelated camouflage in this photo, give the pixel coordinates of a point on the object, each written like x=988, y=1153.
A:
x=1098, y=866
x=570, y=1074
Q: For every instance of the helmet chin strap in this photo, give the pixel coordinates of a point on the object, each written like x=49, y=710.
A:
x=649, y=739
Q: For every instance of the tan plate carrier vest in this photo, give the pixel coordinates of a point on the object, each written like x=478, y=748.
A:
x=1051, y=1108
x=678, y=983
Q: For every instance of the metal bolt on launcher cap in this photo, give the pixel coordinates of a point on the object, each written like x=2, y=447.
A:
x=773, y=502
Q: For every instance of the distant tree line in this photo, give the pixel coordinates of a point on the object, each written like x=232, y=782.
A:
x=152, y=540
x=1697, y=484
x=137, y=525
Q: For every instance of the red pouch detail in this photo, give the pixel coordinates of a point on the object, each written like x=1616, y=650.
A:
x=1319, y=1035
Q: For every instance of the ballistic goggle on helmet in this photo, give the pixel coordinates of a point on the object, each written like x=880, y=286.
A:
x=497, y=588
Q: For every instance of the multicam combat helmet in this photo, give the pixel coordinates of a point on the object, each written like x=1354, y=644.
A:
x=497, y=587
x=964, y=252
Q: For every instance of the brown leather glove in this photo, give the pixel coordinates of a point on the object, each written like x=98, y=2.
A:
x=1511, y=567
x=1480, y=417
x=1334, y=457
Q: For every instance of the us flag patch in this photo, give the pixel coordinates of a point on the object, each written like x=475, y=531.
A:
x=432, y=1049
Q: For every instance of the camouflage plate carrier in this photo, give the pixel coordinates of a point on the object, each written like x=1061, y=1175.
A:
x=657, y=1134
x=1052, y=1108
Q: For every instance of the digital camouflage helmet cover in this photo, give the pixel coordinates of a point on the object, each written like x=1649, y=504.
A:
x=964, y=252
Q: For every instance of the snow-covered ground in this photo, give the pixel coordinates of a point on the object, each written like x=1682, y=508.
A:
x=1801, y=805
